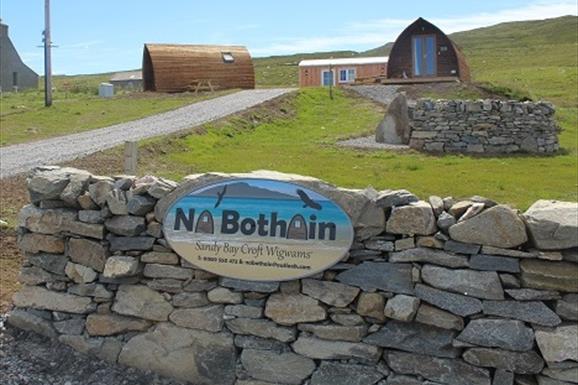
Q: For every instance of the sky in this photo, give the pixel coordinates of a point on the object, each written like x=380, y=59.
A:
x=108, y=35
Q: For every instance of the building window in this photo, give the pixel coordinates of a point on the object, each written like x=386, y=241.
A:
x=347, y=75
x=14, y=79
x=228, y=57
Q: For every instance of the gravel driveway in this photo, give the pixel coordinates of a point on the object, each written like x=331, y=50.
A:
x=23, y=157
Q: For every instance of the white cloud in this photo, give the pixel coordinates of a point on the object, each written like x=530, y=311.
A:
x=371, y=33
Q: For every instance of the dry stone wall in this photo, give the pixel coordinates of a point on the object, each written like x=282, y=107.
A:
x=436, y=291
x=485, y=126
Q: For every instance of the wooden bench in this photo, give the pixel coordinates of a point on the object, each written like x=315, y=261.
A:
x=201, y=85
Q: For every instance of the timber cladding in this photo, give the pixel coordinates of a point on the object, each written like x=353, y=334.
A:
x=447, y=60
x=179, y=68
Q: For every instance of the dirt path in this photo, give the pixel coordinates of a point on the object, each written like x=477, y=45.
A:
x=23, y=157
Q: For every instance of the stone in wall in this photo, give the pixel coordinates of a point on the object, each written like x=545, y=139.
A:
x=553, y=225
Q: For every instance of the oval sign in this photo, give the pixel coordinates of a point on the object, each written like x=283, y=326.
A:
x=258, y=229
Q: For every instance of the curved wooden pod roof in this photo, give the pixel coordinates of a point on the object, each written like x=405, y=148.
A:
x=177, y=68
x=401, y=56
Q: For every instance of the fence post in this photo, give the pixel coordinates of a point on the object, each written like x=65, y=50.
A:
x=130, y=157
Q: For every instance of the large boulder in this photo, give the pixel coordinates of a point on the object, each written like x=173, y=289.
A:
x=195, y=356
x=553, y=225
x=394, y=128
x=499, y=226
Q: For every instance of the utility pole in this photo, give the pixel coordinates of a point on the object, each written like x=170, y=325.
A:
x=47, y=56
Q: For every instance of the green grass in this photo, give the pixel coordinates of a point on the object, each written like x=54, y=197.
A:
x=304, y=143
x=23, y=117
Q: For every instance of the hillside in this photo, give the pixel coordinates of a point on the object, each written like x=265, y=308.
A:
x=537, y=57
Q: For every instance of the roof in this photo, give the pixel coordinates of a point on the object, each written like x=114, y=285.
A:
x=128, y=75
x=344, y=61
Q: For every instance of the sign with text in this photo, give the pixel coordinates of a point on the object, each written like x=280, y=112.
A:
x=258, y=229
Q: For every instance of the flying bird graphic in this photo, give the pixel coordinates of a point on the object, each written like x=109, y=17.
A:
x=307, y=200
x=220, y=196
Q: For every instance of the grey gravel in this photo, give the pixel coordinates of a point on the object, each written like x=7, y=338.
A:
x=29, y=359
x=368, y=142
x=23, y=157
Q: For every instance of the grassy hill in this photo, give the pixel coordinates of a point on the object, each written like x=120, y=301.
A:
x=538, y=58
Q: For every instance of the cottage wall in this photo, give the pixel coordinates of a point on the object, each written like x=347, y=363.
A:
x=12, y=69
x=445, y=291
x=310, y=76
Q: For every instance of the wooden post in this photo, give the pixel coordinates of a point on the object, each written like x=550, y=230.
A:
x=130, y=157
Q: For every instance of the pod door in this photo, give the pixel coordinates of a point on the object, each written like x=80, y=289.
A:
x=424, y=55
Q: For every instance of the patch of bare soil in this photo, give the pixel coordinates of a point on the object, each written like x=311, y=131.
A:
x=13, y=196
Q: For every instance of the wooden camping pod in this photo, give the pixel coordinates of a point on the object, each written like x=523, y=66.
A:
x=179, y=68
x=447, y=60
